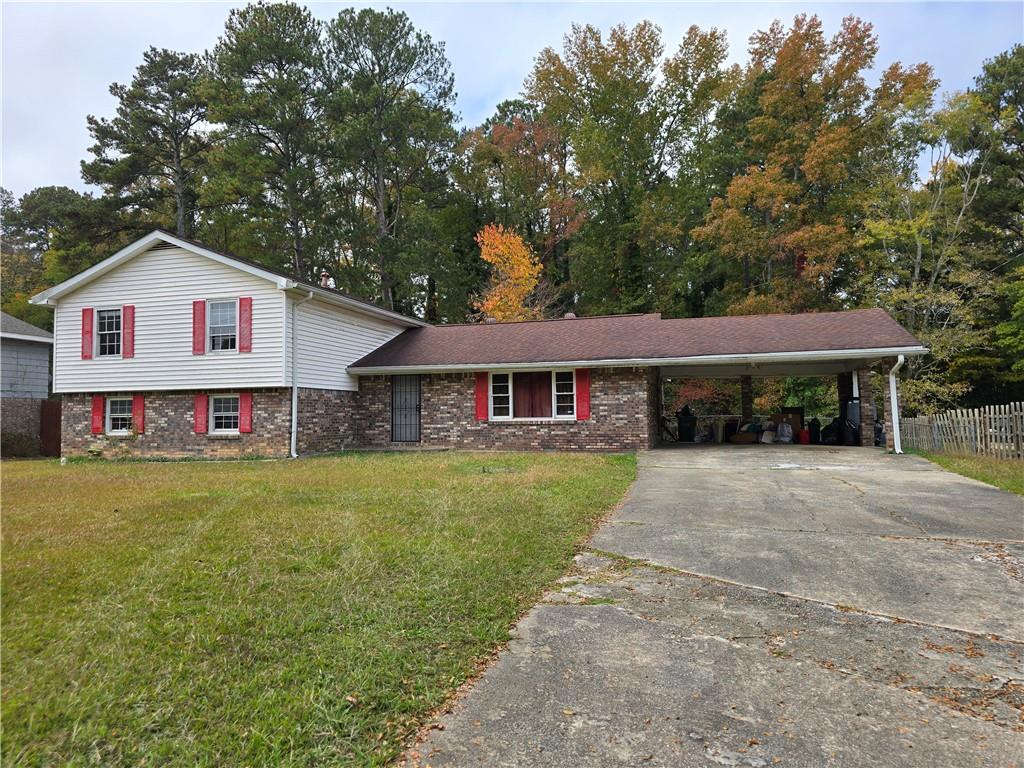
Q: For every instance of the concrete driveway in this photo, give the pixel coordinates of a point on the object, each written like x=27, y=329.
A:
x=769, y=605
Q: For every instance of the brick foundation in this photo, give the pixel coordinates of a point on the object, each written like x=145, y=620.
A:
x=169, y=429
x=327, y=419
x=623, y=403
x=19, y=417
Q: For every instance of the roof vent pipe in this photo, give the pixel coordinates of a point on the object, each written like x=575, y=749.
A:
x=325, y=279
x=570, y=315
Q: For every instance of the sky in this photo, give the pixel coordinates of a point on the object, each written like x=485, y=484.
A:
x=59, y=58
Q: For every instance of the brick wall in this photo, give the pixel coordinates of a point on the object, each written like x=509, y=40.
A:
x=169, y=423
x=327, y=419
x=19, y=418
x=621, y=416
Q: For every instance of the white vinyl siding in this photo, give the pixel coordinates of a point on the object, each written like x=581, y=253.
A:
x=330, y=338
x=162, y=284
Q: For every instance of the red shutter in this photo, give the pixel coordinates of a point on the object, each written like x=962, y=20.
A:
x=245, y=412
x=199, y=328
x=98, y=402
x=202, y=412
x=138, y=413
x=482, y=393
x=128, y=331
x=245, y=324
x=87, y=315
x=582, y=394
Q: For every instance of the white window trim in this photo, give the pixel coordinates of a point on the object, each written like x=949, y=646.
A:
x=106, y=416
x=511, y=397
x=211, y=429
x=490, y=396
x=96, y=333
x=554, y=395
x=209, y=336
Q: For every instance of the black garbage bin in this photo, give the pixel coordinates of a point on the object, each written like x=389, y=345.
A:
x=687, y=424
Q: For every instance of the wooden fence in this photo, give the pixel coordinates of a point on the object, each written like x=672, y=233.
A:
x=995, y=430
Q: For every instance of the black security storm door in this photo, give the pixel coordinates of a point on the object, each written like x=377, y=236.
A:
x=405, y=409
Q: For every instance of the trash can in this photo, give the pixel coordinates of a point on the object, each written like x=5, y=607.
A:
x=814, y=426
x=687, y=424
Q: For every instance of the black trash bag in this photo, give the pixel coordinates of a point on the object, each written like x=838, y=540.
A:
x=833, y=433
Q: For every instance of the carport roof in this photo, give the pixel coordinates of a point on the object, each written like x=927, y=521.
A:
x=637, y=340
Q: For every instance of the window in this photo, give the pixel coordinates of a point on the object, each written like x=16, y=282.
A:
x=119, y=415
x=224, y=413
x=501, y=396
x=565, y=393
x=533, y=395
x=223, y=325
x=108, y=332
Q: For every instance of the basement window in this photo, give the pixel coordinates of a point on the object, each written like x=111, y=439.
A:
x=224, y=414
x=119, y=416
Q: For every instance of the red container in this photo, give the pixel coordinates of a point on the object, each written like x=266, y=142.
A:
x=803, y=436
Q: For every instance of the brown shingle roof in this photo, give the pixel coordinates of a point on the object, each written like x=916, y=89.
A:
x=637, y=337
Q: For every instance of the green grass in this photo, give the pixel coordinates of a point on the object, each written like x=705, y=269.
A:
x=1007, y=474
x=269, y=613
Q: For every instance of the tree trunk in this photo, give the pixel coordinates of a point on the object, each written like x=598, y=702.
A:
x=432, y=310
x=387, y=293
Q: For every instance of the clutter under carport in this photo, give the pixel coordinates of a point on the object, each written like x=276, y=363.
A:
x=787, y=426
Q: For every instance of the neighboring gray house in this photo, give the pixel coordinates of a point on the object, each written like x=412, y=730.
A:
x=24, y=376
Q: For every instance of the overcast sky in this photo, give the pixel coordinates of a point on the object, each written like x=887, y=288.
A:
x=60, y=58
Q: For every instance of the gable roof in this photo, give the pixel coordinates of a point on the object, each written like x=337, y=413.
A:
x=642, y=340
x=13, y=328
x=281, y=279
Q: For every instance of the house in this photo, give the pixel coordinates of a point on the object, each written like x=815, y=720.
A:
x=168, y=348
x=24, y=378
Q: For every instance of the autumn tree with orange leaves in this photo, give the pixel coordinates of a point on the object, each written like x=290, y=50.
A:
x=515, y=275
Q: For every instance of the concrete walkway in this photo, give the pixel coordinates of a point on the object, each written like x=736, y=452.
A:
x=769, y=605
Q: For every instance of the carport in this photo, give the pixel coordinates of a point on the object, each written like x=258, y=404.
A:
x=843, y=346
x=849, y=368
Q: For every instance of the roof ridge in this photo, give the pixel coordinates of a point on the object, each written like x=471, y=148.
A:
x=548, y=320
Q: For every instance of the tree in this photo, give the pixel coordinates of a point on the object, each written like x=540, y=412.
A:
x=155, y=147
x=391, y=93
x=516, y=163
x=634, y=122
x=788, y=221
x=265, y=88
x=515, y=275
x=921, y=262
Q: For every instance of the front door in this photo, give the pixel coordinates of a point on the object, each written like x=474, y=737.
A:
x=405, y=409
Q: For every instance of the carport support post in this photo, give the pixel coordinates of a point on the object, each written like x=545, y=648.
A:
x=893, y=443
x=746, y=399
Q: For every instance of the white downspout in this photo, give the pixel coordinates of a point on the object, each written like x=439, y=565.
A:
x=894, y=406
x=855, y=377
x=295, y=386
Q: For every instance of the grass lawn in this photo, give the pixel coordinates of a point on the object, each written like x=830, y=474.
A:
x=269, y=613
x=1002, y=473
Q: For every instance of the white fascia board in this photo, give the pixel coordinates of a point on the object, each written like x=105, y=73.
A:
x=50, y=295
x=646, y=362
x=331, y=297
x=26, y=337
